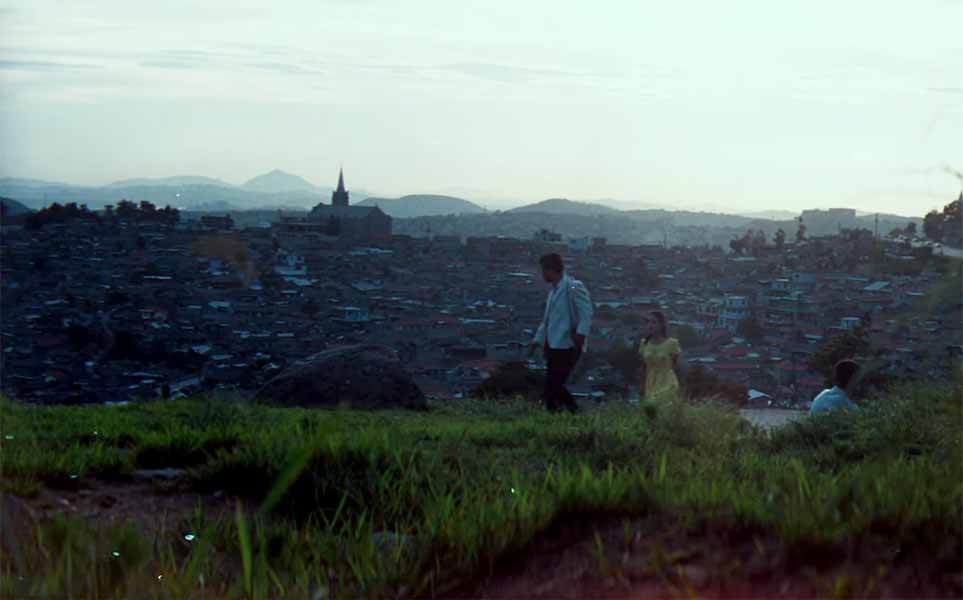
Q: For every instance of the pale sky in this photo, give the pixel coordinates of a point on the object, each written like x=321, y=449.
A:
x=743, y=105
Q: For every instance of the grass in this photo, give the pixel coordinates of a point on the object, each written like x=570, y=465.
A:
x=394, y=504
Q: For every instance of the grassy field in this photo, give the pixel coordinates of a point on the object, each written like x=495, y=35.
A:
x=295, y=503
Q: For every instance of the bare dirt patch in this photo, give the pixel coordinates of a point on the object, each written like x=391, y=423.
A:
x=152, y=506
x=654, y=559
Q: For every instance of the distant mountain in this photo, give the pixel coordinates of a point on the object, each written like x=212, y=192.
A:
x=887, y=216
x=423, y=205
x=561, y=206
x=190, y=197
x=869, y=217
x=277, y=182
x=688, y=218
x=12, y=207
x=28, y=183
x=772, y=215
x=179, y=180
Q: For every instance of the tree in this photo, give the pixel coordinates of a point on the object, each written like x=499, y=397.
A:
x=700, y=383
x=169, y=215
x=895, y=232
x=750, y=329
x=801, y=232
x=746, y=242
x=126, y=209
x=847, y=345
x=688, y=337
x=933, y=226
x=953, y=223
x=758, y=241
x=910, y=229
x=780, y=238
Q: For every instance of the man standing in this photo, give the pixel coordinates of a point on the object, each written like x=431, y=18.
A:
x=563, y=330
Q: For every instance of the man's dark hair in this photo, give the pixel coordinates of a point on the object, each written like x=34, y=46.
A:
x=552, y=262
x=843, y=373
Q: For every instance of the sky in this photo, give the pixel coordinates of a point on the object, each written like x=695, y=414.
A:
x=749, y=105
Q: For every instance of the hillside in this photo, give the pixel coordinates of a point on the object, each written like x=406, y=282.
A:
x=620, y=227
x=279, y=182
x=12, y=207
x=423, y=205
x=773, y=215
x=494, y=499
x=191, y=196
x=176, y=181
x=887, y=222
x=28, y=183
x=562, y=206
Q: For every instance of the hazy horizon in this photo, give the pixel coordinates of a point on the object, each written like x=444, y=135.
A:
x=747, y=107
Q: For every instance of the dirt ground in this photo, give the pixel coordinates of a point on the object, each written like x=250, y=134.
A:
x=654, y=559
x=640, y=558
x=152, y=506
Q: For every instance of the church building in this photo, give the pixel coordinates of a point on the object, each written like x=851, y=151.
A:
x=361, y=223
x=340, y=219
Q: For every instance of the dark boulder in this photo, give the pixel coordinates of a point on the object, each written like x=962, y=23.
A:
x=362, y=376
x=512, y=379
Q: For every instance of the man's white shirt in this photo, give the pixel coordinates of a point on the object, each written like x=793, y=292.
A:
x=568, y=295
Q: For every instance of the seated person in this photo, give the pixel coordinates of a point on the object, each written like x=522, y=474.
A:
x=836, y=397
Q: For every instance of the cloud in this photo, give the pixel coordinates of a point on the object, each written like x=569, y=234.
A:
x=183, y=59
x=286, y=68
x=42, y=65
x=508, y=73
x=169, y=64
x=262, y=60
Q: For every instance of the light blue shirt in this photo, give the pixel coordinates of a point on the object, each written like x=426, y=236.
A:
x=568, y=300
x=831, y=399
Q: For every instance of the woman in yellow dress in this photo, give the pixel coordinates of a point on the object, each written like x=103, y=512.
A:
x=660, y=357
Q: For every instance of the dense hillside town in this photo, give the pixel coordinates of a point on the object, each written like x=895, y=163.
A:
x=136, y=301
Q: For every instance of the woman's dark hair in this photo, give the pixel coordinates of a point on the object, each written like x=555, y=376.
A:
x=657, y=314
x=552, y=262
x=843, y=373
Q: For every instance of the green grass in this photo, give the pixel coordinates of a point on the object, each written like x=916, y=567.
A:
x=466, y=484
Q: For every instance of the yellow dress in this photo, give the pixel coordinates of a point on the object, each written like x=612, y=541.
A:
x=660, y=380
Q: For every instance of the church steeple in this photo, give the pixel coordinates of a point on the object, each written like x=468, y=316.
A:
x=340, y=196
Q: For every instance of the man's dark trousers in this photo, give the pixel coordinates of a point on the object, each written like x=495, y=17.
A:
x=560, y=365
